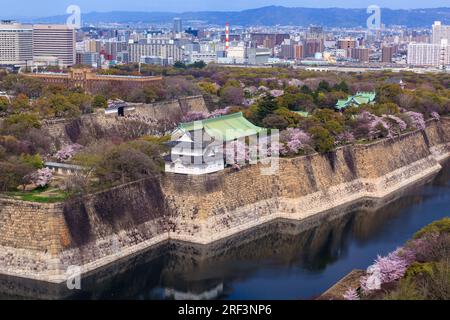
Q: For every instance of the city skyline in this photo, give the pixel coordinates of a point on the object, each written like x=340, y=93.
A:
x=21, y=9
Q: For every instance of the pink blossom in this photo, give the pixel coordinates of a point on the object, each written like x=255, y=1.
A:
x=386, y=269
x=199, y=115
x=236, y=152
x=401, y=124
x=42, y=177
x=219, y=112
x=195, y=116
x=417, y=120
x=293, y=140
x=276, y=93
x=67, y=152
x=345, y=138
x=435, y=116
x=351, y=294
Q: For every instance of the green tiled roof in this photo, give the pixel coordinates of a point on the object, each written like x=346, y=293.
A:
x=356, y=100
x=227, y=128
x=304, y=114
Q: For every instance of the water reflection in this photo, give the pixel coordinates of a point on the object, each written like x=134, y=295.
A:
x=280, y=260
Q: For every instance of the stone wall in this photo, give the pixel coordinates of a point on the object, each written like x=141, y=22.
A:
x=41, y=241
x=67, y=131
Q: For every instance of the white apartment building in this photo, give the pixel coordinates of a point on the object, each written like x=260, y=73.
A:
x=206, y=57
x=166, y=51
x=429, y=54
x=55, y=41
x=440, y=32
x=16, y=43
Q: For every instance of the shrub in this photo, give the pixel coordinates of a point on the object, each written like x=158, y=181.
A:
x=441, y=226
x=322, y=139
x=406, y=290
x=100, y=102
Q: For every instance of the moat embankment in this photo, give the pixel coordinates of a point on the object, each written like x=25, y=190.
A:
x=42, y=241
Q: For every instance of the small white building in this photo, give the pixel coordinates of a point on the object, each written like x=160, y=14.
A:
x=197, y=148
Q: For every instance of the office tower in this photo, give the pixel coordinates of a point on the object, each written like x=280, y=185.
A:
x=16, y=43
x=346, y=44
x=360, y=54
x=55, y=41
x=177, y=25
x=91, y=59
x=299, y=52
x=429, y=54
x=387, y=53
x=440, y=32
x=313, y=46
x=268, y=40
x=315, y=32
x=287, y=51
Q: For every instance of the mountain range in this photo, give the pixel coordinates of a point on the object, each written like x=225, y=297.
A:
x=270, y=16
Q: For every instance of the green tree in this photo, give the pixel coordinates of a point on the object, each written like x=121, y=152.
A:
x=322, y=138
x=342, y=86
x=22, y=121
x=4, y=104
x=34, y=161
x=14, y=173
x=324, y=86
x=274, y=121
x=99, y=102
x=266, y=106
x=62, y=107
x=20, y=103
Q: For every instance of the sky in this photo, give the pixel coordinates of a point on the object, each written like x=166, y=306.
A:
x=44, y=8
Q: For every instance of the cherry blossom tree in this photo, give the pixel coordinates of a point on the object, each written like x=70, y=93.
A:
x=417, y=120
x=236, y=152
x=385, y=270
x=42, y=177
x=68, y=152
x=351, y=294
x=293, y=140
x=435, y=116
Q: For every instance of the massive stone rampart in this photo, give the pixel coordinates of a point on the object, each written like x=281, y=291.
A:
x=41, y=241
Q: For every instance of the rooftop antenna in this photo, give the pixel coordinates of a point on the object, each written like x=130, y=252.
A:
x=227, y=36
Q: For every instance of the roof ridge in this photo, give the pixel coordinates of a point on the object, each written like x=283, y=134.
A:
x=209, y=120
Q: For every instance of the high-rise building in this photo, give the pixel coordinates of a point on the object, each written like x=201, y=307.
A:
x=91, y=59
x=171, y=52
x=440, y=32
x=299, y=52
x=346, y=44
x=268, y=40
x=429, y=54
x=287, y=51
x=387, y=53
x=360, y=54
x=55, y=41
x=313, y=46
x=177, y=25
x=16, y=43
x=315, y=32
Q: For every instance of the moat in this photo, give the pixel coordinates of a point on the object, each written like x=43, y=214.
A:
x=280, y=260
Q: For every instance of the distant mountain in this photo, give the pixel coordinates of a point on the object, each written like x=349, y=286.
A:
x=272, y=15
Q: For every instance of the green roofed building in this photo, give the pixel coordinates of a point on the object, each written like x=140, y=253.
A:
x=198, y=147
x=355, y=101
x=303, y=114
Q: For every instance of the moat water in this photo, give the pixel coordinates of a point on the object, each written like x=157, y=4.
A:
x=281, y=260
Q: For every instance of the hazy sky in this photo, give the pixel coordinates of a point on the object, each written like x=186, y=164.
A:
x=25, y=8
